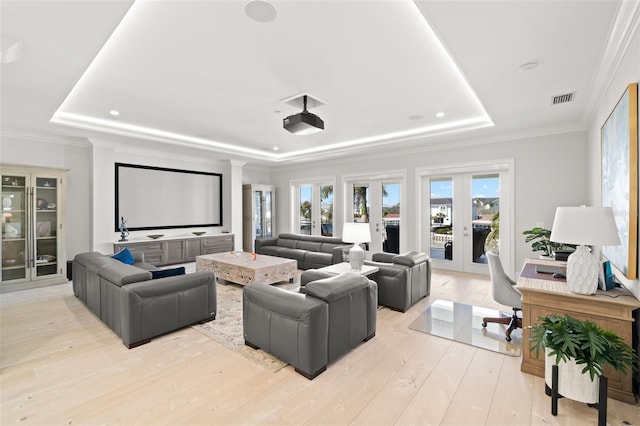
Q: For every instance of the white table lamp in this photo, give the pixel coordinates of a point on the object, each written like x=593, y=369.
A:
x=356, y=233
x=584, y=226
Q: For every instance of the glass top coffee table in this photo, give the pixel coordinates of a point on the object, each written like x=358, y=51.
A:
x=241, y=268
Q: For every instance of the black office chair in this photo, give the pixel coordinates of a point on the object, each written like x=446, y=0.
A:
x=504, y=292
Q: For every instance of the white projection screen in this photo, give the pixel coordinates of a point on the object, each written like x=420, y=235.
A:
x=159, y=198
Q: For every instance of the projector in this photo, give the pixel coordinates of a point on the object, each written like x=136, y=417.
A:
x=303, y=123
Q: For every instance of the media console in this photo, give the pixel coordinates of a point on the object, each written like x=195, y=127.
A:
x=167, y=251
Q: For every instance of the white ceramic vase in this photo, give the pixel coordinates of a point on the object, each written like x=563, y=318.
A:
x=582, y=271
x=572, y=383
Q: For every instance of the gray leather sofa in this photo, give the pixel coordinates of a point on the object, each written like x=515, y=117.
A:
x=136, y=307
x=309, y=251
x=402, y=279
x=311, y=330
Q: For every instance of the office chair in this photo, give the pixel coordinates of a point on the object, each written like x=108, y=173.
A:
x=504, y=292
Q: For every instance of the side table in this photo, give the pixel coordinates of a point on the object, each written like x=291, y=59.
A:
x=341, y=268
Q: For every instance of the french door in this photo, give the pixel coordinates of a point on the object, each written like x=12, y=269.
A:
x=312, y=208
x=466, y=210
x=377, y=202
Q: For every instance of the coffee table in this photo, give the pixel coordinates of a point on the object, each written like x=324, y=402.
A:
x=341, y=268
x=241, y=268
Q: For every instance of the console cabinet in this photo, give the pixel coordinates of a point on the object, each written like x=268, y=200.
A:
x=612, y=310
x=178, y=250
x=33, y=251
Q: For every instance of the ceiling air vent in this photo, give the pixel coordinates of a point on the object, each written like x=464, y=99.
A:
x=561, y=99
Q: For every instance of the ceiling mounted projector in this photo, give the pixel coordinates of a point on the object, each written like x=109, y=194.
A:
x=303, y=123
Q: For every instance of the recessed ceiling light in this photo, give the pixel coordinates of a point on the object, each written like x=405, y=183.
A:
x=114, y=113
x=277, y=111
x=260, y=11
x=416, y=117
x=275, y=148
x=527, y=67
x=440, y=114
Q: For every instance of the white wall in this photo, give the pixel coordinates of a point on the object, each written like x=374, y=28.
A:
x=628, y=72
x=105, y=154
x=90, y=202
x=549, y=171
x=257, y=175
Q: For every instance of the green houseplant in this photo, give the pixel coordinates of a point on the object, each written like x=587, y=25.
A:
x=493, y=239
x=539, y=239
x=591, y=346
x=579, y=347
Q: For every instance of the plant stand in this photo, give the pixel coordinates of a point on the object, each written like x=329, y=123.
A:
x=602, y=396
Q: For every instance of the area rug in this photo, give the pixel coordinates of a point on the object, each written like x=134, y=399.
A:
x=226, y=329
x=463, y=323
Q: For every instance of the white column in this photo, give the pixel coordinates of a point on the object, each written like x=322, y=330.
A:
x=236, y=202
x=103, y=232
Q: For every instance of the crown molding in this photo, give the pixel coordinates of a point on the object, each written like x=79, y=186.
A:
x=45, y=138
x=622, y=32
x=165, y=155
x=441, y=145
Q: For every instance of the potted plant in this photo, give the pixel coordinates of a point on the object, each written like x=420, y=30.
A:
x=579, y=347
x=438, y=217
x=539, y=239
x=493, y=239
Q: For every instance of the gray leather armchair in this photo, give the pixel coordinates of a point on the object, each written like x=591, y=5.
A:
x=402, y=279
x=311, y=330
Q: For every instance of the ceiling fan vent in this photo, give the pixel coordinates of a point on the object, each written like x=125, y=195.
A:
x=562, y=99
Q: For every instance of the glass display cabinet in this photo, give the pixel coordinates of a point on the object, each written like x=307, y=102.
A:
x=32, y=231
x=258, y=203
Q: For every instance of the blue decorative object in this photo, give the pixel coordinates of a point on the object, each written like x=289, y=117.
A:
x=609, y=277
x=124, y=256
x=162, y=273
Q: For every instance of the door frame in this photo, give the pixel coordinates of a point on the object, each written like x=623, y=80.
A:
x=506, y=169
x=400, y=176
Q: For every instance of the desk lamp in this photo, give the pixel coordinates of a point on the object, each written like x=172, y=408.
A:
x=584, y=226
x=356, y=233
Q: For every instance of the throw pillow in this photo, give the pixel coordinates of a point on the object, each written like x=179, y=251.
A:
x=162, y=273
x=124, y=256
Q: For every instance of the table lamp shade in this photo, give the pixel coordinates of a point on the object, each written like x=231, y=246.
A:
x=584, y=226
x=356, y=233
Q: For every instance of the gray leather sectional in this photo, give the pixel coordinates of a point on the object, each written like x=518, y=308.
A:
x=311, y=330
x=308, y=250
x=136, y=307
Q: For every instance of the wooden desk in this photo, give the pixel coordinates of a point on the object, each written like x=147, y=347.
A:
x=543, y=295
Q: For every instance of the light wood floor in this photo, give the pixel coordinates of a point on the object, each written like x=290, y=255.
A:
x=61, y=365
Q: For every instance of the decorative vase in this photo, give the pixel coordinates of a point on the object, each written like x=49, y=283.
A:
x=356, y=257
x=582, y=271
x=572, y=383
